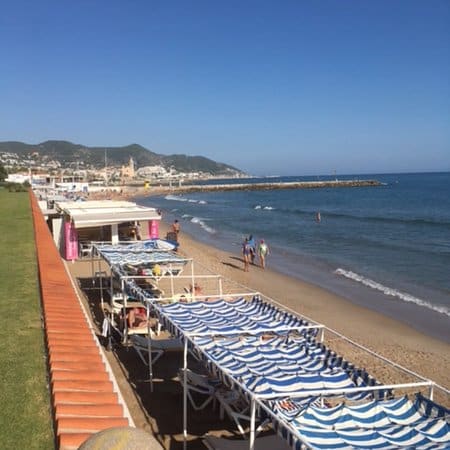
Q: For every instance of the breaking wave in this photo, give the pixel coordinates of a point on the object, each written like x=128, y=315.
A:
x=391, y=292
x=176, y=198
x=267, y=208
x=203, y=225
x=179, y=198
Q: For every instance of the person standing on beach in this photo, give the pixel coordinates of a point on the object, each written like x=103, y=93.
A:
x=247, y=254
x=176, y=228
x=252, y=244
x=263, y=251
x=138, y=231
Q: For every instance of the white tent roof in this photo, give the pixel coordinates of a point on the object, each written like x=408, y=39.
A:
x=105, y=212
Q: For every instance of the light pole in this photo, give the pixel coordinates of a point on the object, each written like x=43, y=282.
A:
x=106, y=171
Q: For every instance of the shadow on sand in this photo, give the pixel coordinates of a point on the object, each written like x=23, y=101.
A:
x=162, y=409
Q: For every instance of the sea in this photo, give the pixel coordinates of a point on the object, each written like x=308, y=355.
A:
x=386, y=248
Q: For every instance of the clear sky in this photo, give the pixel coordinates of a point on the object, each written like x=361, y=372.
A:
x=271, y=87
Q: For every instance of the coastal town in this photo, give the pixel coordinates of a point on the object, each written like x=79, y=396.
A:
x=38, y=169
x=125, y=181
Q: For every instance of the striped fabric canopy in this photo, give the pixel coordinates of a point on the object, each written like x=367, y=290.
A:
x=283, y=364
x=388, y=424
x=114, y=257
x=137, y=246
x=275, y=366
x=220, y=316
x=275, y=357
x=239, y=338
x=300, y=382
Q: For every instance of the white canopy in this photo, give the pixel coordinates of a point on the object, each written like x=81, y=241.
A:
x=105, y=212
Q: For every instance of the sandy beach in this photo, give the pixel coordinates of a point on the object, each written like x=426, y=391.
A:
x=420, y=353
x=403, y=345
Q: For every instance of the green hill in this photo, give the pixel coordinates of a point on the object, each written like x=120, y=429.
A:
x=68, y=153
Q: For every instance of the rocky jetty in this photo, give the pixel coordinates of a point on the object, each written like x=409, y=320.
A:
x=278, y=185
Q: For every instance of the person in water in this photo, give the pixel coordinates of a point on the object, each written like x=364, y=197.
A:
x=318, y=218
x=263, y=251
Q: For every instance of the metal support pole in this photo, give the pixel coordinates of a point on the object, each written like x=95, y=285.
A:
x=149, y=349
x=111, y=285
x=172, y=288
x=251, y=445
x=93, y=268
x=193, y=287
x=185, y=395
x=110, y=316
x=101, y=287
x=124, y=312
x=109, y=335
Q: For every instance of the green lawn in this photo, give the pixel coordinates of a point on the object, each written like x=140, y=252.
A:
x=25, y=416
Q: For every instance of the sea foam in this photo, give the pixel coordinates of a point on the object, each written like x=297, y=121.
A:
x=391, y=292
x=179, y=198
x=267, y=208
x=176, y=198
x=203, y=225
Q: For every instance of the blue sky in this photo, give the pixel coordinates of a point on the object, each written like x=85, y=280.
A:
x=273, y=88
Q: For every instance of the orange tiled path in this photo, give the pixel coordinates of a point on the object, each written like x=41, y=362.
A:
x=83, y=395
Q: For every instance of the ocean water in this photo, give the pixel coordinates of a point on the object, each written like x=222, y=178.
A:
x=386, y=247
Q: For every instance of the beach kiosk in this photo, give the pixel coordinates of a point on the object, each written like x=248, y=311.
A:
x=80, y=223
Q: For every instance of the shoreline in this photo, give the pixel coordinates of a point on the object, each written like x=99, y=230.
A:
x=428, y=356
x=392, y=300
x=398, y=342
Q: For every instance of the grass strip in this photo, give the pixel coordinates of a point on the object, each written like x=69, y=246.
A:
x=24, y=395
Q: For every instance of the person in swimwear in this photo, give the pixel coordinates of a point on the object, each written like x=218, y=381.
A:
x=252, y=243
x=263, y=251
x=247, y=254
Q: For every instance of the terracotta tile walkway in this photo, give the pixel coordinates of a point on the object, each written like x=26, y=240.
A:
x=83, y=392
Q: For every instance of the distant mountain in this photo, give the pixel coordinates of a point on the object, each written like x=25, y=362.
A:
x=68, y=153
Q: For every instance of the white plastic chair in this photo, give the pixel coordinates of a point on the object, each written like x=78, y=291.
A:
x=158, y=347
x=237, y=408
x=199, y=384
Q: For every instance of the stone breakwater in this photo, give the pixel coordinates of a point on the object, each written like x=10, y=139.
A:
x=280, y=185
x=130, y=192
